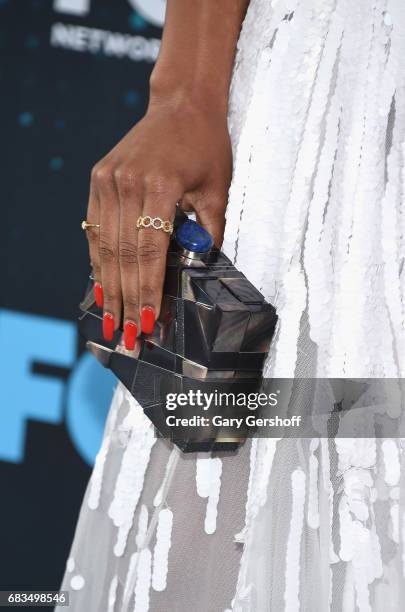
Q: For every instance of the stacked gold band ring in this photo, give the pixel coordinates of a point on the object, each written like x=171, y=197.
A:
x=86, y=225
x=155, y=223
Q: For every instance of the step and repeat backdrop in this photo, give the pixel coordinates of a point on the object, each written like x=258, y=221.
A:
x=74, y=77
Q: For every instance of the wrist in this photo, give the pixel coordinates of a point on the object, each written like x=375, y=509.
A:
x=183, y=92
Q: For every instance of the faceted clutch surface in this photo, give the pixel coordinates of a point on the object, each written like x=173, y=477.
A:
x=213, y=333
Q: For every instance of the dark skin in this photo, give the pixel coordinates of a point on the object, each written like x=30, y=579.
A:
x=179, y=152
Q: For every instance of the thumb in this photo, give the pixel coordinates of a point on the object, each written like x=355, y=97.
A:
x=212, y=219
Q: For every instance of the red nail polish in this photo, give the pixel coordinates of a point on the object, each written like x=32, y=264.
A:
x=147, y=319
x=108, y=326
x=98, y=294
x=130, y=333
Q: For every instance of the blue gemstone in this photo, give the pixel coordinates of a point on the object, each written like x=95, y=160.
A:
x=193, y=237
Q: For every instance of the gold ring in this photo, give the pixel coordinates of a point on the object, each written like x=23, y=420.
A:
x=86, y=225
x=155, y=223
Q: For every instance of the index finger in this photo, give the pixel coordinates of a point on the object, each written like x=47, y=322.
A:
x=92, y=234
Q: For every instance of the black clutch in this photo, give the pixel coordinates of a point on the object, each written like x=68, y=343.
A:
x=212, y=336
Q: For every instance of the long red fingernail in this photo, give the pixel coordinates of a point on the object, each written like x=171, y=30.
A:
x=98, y=294
x=130, y=333
x=147, y=319
x=108, y=326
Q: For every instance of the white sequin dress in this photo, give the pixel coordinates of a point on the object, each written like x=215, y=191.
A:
x=316, y=220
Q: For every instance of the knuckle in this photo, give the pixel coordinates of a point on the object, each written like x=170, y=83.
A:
x=208, y=198
x=102, y=175
x=93, y=174
x=110, y=295
x=148, y=250
x=96, y=271
x=203, y=204
x=148, y=292
x=213, y=207
x=125, y=179
x=128, y=253
x=92, y=236
x=131, y=303
x=106, y=251
x=158, y=183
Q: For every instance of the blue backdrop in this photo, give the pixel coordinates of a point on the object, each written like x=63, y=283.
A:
x=74, y=77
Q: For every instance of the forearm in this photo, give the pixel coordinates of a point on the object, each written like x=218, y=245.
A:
x=197, y=52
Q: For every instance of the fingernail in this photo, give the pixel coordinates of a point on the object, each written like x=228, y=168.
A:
x=108, y=326
x=147, y=319
x=98, y=294
x=130, y=333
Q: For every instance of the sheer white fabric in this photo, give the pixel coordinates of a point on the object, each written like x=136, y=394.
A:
x=316, y=220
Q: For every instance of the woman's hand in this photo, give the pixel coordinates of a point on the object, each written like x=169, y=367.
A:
x=177, y=153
